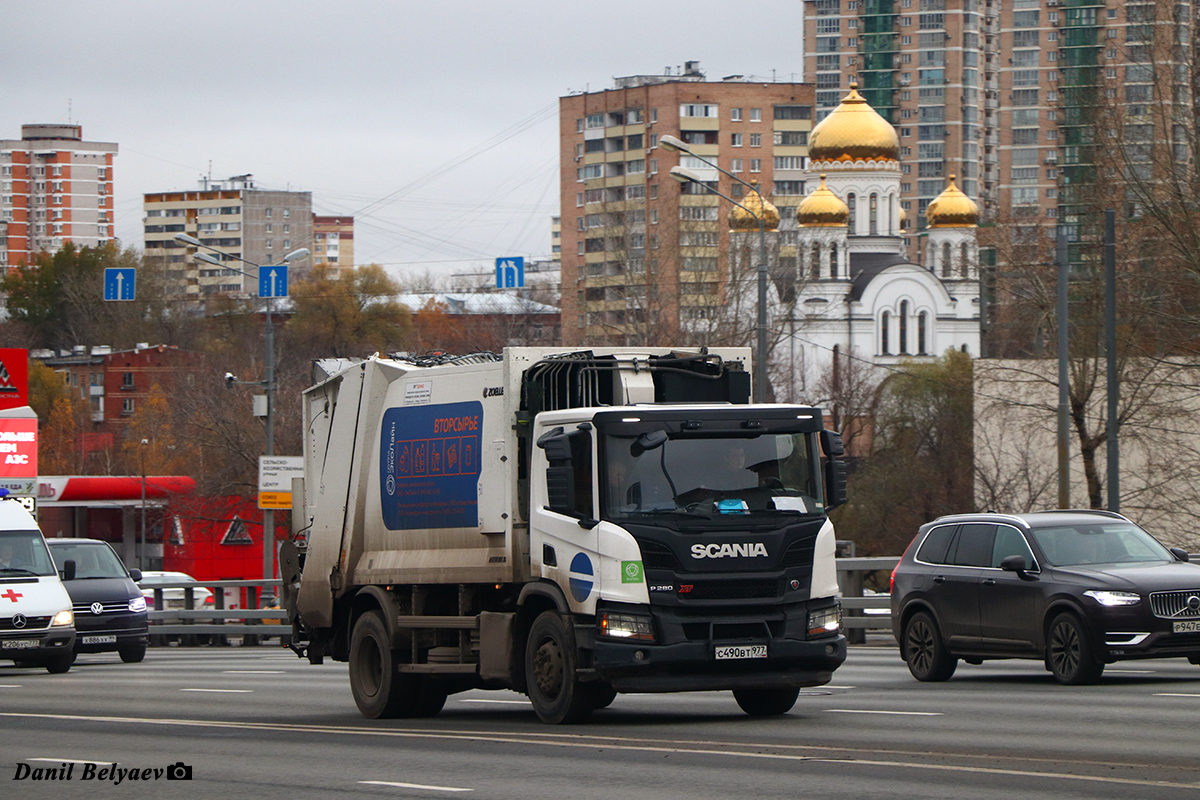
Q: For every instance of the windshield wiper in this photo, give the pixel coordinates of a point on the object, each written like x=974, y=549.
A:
x=17, y=571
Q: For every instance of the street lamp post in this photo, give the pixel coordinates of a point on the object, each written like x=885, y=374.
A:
x=267, y=383
x=684, y=175
x=143, y=562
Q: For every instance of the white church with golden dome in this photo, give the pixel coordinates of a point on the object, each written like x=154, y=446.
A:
x=856, y=294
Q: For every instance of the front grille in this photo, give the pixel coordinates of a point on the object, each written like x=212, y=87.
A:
x=31, y=623
x=1175, y=605
x=743, y=589
x=799, y=553
x=109, y=608
x=658, y=556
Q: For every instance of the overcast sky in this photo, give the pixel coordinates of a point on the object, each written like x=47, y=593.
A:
x=433, y=123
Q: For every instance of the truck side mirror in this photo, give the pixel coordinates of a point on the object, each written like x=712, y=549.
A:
x=835, y=483
x=831, y=443
x=68, y=570
x=135, y=574
x=835, y=469
x=1179, y=553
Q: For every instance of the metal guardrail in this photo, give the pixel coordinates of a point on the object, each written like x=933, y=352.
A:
x=252, y=622
x=217, y=623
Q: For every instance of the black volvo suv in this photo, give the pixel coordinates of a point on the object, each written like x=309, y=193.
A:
x=1079, y=589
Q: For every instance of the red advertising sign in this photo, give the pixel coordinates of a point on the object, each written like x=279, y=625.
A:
x=18, y=448
x=14, y=377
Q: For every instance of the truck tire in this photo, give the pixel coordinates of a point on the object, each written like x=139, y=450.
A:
x=766, y=702
x=550, y=672
x=602, y=695
x=380, y=691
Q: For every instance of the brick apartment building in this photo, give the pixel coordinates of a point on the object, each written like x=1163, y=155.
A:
x=639, y=249
x=233, y=216
x=54, y=188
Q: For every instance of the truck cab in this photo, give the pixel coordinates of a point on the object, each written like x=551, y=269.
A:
x=695, y=536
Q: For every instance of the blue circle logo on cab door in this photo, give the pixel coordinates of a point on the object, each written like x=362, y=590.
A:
x=581, y=577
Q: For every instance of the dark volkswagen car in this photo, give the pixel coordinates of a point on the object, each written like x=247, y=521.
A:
x=1078, y=589
x=110, y=611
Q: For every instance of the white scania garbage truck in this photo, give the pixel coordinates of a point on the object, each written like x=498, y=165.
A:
x=570, y=524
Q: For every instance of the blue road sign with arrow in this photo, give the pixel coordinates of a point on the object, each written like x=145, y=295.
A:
x=510, y=272
x=120, y=283
x=273, y=281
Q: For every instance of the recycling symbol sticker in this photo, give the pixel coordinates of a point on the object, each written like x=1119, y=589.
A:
x=631, y=572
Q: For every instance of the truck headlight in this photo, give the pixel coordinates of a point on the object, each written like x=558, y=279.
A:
x=824, y=621
x=62, y=618
x=626, y=626
x=1108, y=598
x=137, y=603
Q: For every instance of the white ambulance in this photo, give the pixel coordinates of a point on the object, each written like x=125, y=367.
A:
x=37, y=627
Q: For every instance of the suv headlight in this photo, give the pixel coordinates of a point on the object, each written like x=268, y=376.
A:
x=1109, y=598
x=825, y=621
x=63, y=618
x=137, y=603
x=626, y=626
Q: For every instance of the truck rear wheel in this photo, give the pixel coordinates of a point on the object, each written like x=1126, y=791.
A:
x=766, y=702
x=380, y=691
x=550, y=672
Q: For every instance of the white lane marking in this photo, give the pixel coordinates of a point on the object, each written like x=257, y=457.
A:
x=831, y=686
x=10, y=686
x=1130, y=671
x=417, y=786
x=505, y=702
x=68, y=760
x=221, y=691
x=896, y=713
x=703, y=748
x=1175, y=694
x=254, y=671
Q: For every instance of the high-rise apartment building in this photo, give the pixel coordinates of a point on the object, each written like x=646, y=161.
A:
x=233, y=216
x=1013, y=96
x=333, y=243
x=641, y=254
x=54, y=188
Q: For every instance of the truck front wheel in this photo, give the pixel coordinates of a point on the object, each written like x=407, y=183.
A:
x=380, y=690
x=766, y=702
x=550, y=672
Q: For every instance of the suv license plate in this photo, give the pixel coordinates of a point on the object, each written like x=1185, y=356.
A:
x=105, y=639
x=20, y=644
x=741, y=651
x=1188, y=626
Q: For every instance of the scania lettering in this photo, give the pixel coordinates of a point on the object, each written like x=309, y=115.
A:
x=567, y=524
x=729, y=550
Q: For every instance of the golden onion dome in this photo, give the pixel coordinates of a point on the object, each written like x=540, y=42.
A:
x=853, y=132
x=823, y=209
x=952, y=209
x=740, y=219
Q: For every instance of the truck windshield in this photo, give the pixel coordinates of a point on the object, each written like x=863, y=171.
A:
x=23, y=553
x=770, y=472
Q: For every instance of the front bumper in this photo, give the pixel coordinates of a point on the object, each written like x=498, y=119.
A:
x=1133, y=632
x=37, y=644
x=683, y=656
